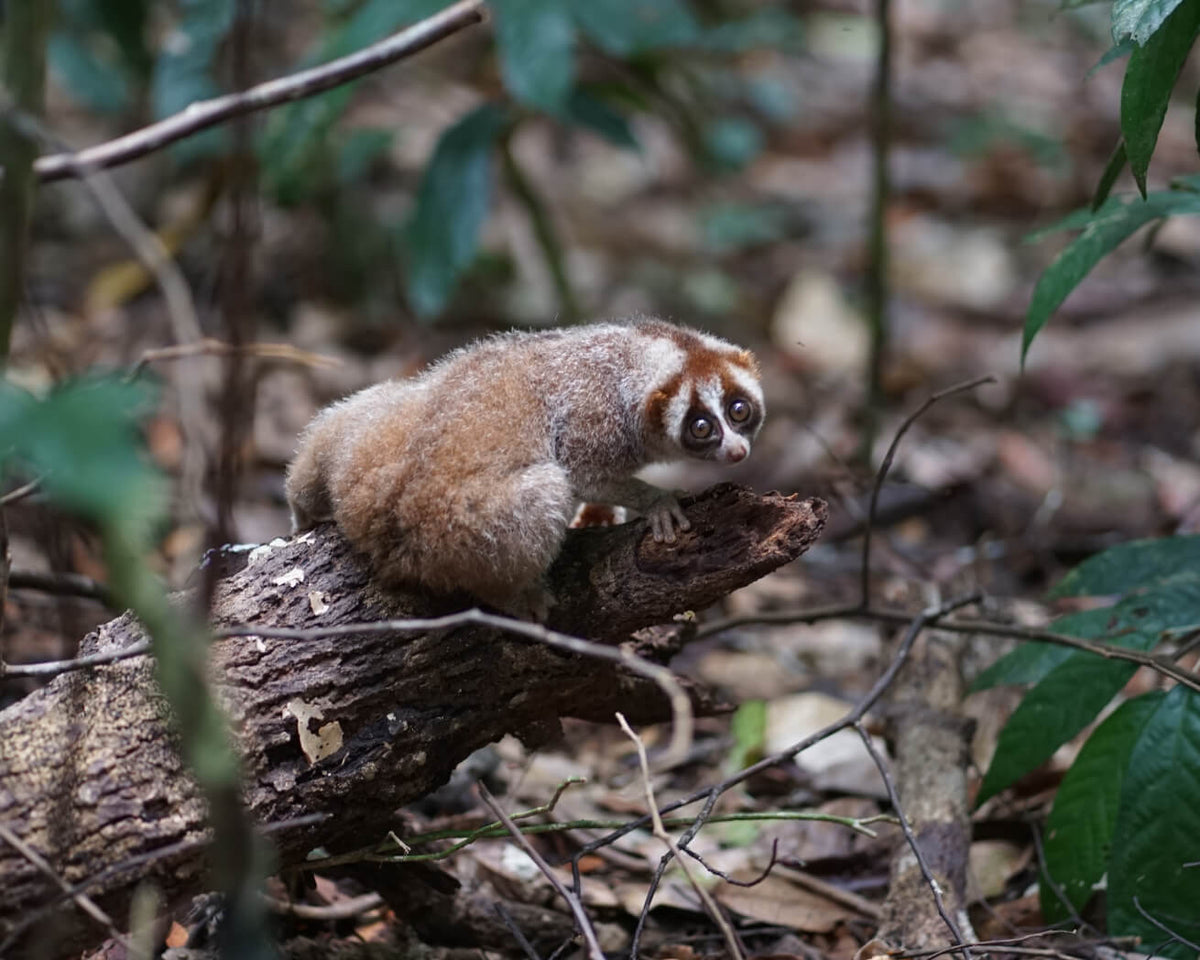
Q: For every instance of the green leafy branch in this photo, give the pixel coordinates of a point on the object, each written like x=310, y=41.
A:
x=1128, y=807
x=397, y=850
x=1158, y=36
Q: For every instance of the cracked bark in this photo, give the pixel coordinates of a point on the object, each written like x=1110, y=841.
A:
x=89, y=778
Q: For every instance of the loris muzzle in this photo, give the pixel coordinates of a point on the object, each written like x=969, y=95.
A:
x=466, y=476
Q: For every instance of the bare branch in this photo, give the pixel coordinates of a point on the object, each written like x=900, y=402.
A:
x=710, y=905
x=576, y=905
x=906, y=827
x=865, y=574
x=209, y=113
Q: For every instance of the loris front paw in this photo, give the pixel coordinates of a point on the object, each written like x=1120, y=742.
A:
x=665, y=515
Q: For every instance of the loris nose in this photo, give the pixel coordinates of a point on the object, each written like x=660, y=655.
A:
x=737, y=454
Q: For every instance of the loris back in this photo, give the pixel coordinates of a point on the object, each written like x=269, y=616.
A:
x=466, y=477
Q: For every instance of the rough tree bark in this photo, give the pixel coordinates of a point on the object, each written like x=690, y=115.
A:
x=89, y=779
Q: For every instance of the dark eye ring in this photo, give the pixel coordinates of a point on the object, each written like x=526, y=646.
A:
x=701, y=428
x=739, y=410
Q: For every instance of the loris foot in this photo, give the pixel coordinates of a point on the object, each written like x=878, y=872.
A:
x=665, y=515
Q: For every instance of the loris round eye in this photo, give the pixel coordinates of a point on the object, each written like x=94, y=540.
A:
x=701, y=428
x=740, y=410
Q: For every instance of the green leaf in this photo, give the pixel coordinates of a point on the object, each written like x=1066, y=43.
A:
x=82, y=440
x=359, y=150
x=1102, y=231
x=89, y=80
x=732, y=142
x=1031, y=662
x=452, y=203
x=1080, y=827
x=536, y=40
x=588, y=110
x=769, y=27
x=183, y=73
x=625, y=28
x=1112, y=170
x=1149, y=78
x=1131, y=565
x=1054, y=711
x=749, y=729
x=727, y=227
x=1136, y=20
x=1115, y=52
x=1156, y=838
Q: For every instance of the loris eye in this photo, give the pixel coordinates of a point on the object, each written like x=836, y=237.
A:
x=701, y=428
x=740, y=410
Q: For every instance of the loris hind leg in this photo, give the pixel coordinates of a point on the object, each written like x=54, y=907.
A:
x=307, y=487
x=492, y=535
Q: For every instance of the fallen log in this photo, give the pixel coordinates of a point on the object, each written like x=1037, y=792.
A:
x=89, y=778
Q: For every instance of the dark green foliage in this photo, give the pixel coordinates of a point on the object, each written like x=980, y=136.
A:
x=536, y=41
x=1079, y=831
x=1103, y=229
x=588, y=109
x=1157, y=35
x=452, y=203
x=97, y=49
x=82, y=440
x=1156, y=838
x=1128, y=806
x=184, y=70
x=1150, y=77
x=626, y=28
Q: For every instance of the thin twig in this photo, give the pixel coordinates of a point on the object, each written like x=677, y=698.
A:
x=518, y=935
x=342, y=910
x=1060, y=895
x=928, y=617
x=21, y=492
x=576, y=905
x=876, y=284
x=823, y=888
x=82, y=900
x=864, y=598
x=906, y=827
x=210, y=346
x=710, y=905
x=1177, y=938
x=139, y=862
x=60, y=584
x=1159, y=664
x=52, y=668
x=209, y=113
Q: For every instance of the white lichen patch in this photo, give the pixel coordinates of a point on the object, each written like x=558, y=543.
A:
x=315, y=746
x=317, y=602
x=292, y=578
x=264, y=550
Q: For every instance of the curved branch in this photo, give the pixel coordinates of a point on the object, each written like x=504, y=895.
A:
x=209, y=113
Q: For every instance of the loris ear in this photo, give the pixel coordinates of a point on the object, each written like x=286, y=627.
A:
x=746, y=359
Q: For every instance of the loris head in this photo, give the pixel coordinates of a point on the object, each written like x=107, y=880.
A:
x=708, y=403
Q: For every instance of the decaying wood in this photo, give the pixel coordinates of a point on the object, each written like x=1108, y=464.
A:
x=89, y=779
x=931, y=744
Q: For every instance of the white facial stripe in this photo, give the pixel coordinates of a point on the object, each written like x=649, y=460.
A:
x=677, y=410
x=663, y=357
x=746, y=382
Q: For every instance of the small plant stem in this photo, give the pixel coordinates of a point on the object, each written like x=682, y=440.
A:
x=543, y=228
x=22, y=84
x=877, y=287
